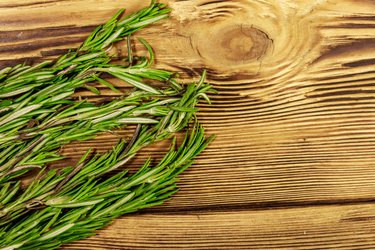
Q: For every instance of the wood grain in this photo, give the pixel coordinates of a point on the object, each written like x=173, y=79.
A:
x=295, y=113
x=325, y=227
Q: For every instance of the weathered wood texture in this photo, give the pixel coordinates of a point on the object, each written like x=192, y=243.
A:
x=330, y=227
x=295, y=116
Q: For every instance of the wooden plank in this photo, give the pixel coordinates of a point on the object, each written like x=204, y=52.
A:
x=295, y=116
x=325, y=227
x=233, y=180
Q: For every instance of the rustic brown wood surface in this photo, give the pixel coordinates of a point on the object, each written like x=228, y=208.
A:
x=293, y=166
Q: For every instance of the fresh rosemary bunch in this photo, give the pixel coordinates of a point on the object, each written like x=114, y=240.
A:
x=83, y=120
x=33, y=101
x=22, y=148
x=13, y=206
x=44, y=87
x=39, y=114
x=66, y=205
x=88, y=201
x=94, y=52
x=176, y=119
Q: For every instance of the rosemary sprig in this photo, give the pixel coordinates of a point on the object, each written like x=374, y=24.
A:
x=16, y=111
x=46, y=85
x=83, y=121
x=37, y=95
x=86, y=203
x=23, y=79
x=116, y=28
x=163, y=129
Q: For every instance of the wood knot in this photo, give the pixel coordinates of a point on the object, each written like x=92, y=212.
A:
x=245, y=43
x=235, y=45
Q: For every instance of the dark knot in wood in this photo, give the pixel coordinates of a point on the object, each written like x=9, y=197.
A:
x=244, y=43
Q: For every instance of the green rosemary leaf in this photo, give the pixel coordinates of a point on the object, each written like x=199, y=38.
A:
x=10, y=195
x=148, y=21
x=30, y=69
x=136, y=120
x=8, y=118
x=149, y=49
x=56, y=232
x=4, y=72
x=93, y=89
x=106, y=83
x=134, y=81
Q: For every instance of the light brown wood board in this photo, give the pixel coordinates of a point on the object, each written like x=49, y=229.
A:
x=294, y=118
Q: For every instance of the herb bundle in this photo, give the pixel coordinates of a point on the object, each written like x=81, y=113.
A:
x=31, y=95
x=40, y=113
x=64, y=211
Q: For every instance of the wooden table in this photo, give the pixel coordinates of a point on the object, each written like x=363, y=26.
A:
x=293, y=166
